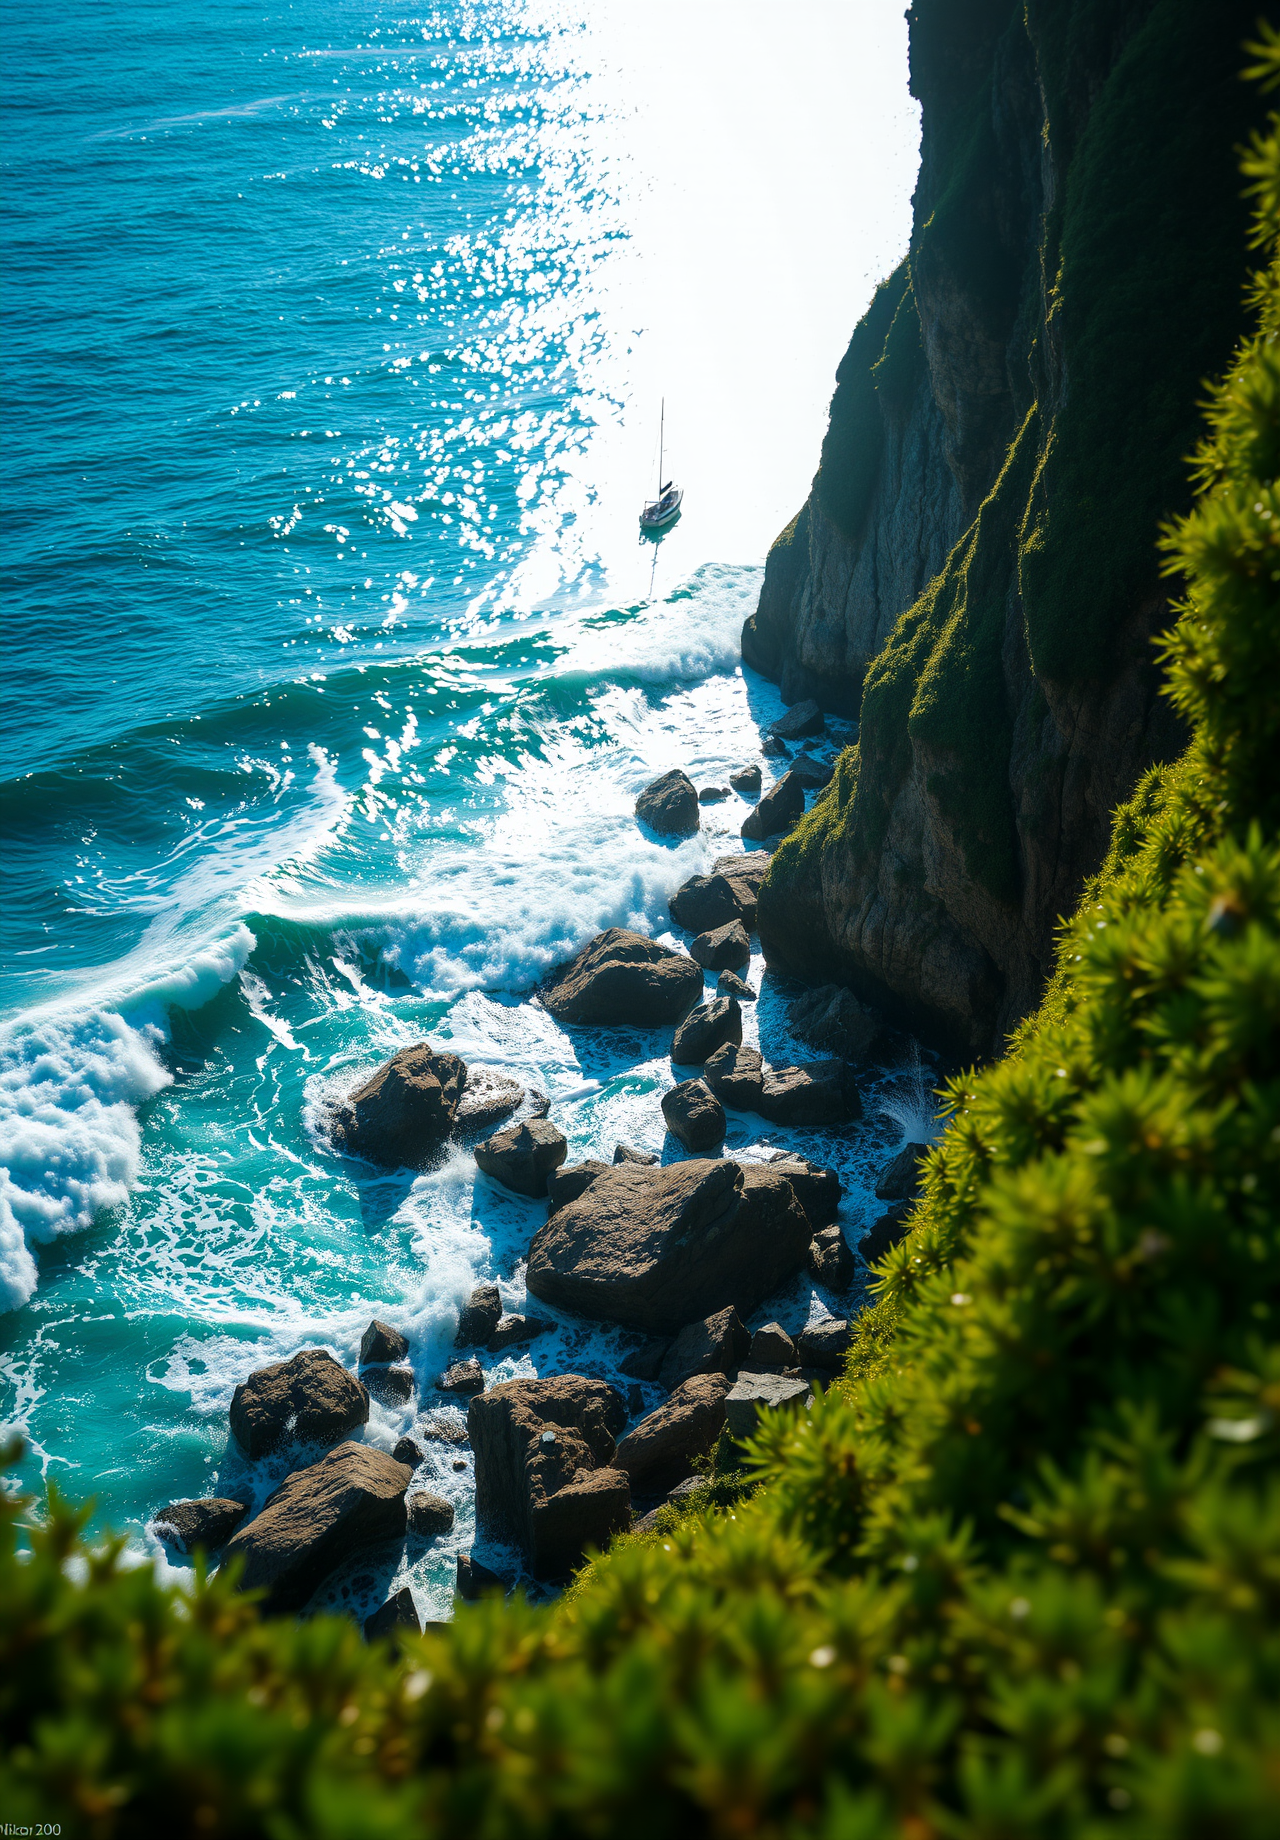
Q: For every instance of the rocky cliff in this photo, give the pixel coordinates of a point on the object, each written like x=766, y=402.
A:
x=975, y=572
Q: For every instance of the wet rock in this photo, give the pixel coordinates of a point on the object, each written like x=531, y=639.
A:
x=399, y=1613
x=392, y=1385
x=724, y=948
x=817, y=1189
x=657, y=1248
x=729, y=984
x=900, y=1179
x=887, y=1232
x=475, y=1581
x=627, y=1153
x=746, y=779
x=819, y=1093
x=571, y=1180
x=736, y=1076
x=429, y=1515
x=209, y=1523
x=663, y=1447
x=381, y=1344
x=463, y=1377
x=308, y=1400
x=778, y=810
x=831, y=1262
x=352, y=1500
x=694, y=1115
x=833, y=1019
x=514, y=1331
x=775, y=747
x=717, y=1345
x=801, y=719
x=705, y=1029
x=522, y=1156
x=440, y=1430
x=488, y=1097
x=404, y=1111
x=812, y=774
x=771, y=1346
x=711, y=795
x=406, y=1451
x=645, y=1362
x=747, y=866
x=479, y=1317
x=825, y=1344
x=623, y=979
x=669, y=805
x=705, y=901
x=752, y=1394
x=544, y=1475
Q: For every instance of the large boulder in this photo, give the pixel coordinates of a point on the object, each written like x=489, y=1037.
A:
x=694, y=1115
x=658, y=1248
x=308, y=1400
x=429, y=1515
x=729, y=984
x=746, y=779
x=349, y=1501
x=771, y=1346
x=746, y=866
x=478, y=1317
x=381, y=1344
x=661, y=1450
x=523, y=1156
x=209, y=1523
x=833, y=1019
x=813, y=774
x=705, y=1029
x=404, y=1111
x=623, y=979
x=571, y=1180
x=669, y=805
x=778, y=811
x=900, y=1179
x=717, y=1345
x=464, y=1377
x=724, y=948
x=544, y=1481
x=704, y=901
x=800, y=720
x=488, y=1097
x=819, y=1093
x=817, y=1189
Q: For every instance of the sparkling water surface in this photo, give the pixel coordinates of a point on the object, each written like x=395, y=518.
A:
x=335, y=339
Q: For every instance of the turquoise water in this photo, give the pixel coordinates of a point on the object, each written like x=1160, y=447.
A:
x=334, y=343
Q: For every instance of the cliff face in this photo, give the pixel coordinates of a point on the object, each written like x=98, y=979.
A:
x=975, y=573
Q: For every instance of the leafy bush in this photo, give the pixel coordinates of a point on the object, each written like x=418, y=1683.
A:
x=1018, y=1574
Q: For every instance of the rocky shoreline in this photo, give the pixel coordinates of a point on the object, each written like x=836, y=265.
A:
x=679, y=1252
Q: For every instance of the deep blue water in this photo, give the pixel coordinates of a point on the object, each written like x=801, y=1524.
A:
x=334, y=340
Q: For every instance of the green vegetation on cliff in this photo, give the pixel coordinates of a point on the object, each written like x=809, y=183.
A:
x=1019, y=1574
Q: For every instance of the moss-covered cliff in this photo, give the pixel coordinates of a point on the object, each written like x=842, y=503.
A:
x=974, y=571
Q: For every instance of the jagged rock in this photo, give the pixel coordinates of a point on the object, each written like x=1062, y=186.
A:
x=429, y=1515
x=209, y=1523
x=801, y=719
x=705, y=1029
x=711, y=795
x=406, y=1451
x=729, y=984
x=514, y=1331
x=627, y=1153
x=381, y=1344
x=817, y=1093
x=645, y=1362
x=663, y=1447
x=658, y=1248
x=889, y=1231
x=475, y=1581
x=478, y=1317
x=462, y=1377
x=900, y=1179
x=488, y=1097
x=736, y=1076
x=543, y=1476
x=812, y=774
x=833, y=1019
x=404, y=1111
x=308, y=1400
x=775, y=747
x=825, y=1344
x=392, y=1385
x=399, y=1612
x=746, y=779
x=778, y=810
x=669, y=805
x=753, y=1393
x=694, y=1115
x=771, y=1346
x=817, y=1189
x=349, y=1501
x=718, y=1345
x=522, y=1156
x=622, y=978
x=831, y=1263
x=724, y=948
x=571, y=1180
x=705, y=901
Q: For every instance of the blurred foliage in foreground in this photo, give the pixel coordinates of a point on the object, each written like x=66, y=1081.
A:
x=1019, y=1575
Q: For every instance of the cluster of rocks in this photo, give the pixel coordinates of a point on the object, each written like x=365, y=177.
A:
x=410, y=1107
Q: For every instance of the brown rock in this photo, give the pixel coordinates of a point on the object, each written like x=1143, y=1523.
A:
x=429, y=1515
x=523, y=1156
x=705, y=1029
x=513, y=1331
x=488, y=1097
x=392, y=1385
x=622, y=978
x=571, y=1180
x=662, y=1448
x=817, y=1189
x=831, y=1263
x=407, y=1452
x=705, y=901
x=746, y=779
x=308, y=1400
x=711, y=795
x=771, y=1346
x=694, y=1115
x=778, y=811
x=819, y=1093
x=404, y=1111
x=801, y=719
x=381, y=1344
x=479, y=1317
x=669, y=805
x=462, y=1377
x=627, y=1153
x=834, y=1020
x=716, y=1345
x=729, y=984
x=209, y=1523
x=724, y=948
x=736, y=1076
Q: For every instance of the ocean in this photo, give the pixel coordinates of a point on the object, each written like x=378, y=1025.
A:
x=336, y=340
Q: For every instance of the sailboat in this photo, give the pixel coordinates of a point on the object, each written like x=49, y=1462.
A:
x=665, y=508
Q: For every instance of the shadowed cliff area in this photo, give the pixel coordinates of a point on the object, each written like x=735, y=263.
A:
x=974, y=573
